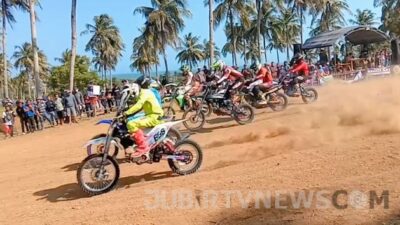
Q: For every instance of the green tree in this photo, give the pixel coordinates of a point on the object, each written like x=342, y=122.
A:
x=7, y=7
x=365, y=17
x=191, y=53
x=25, y=62
x=390, y=16
x=144, y=54
x=105, y=44
x=233, y=11
x=164, y=20
x=287, y=29
x=59, y=76
x=207, y=52
x=329, y=17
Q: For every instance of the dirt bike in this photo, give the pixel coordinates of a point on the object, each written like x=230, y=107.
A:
x=292, y=85
x=177, y=97
x=241, y=113
x=274, y=99
x=99, y=172
x=97, y=143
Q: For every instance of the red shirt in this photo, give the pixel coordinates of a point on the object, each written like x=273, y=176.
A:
x=232, y=74
x=265, y=75
x=301, y=69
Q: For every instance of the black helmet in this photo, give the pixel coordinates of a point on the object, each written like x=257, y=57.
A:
x=298, y=56
x=143, y=82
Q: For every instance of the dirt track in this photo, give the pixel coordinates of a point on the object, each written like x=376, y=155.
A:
x=349, y=140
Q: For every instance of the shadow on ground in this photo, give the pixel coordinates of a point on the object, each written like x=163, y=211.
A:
x=72, y=191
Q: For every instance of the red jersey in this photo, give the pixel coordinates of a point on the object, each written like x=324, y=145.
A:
x=301, y=69
x=265, y=75
x=232, y=74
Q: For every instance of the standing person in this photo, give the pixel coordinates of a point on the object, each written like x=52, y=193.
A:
x=116, y=94
x=60, y=109
x=92, y=97
x=89, y=107
x=274, y=70
x=79, y=100
x=109, y=98
x=51, y=111
x=9, y=120
x=30, y=115
x=40, y=112
x=70, y=105
x=22, y=117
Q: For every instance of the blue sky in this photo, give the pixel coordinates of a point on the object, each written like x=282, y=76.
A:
x=54, y=26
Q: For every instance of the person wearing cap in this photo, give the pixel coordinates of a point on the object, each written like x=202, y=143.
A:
x=70, y=106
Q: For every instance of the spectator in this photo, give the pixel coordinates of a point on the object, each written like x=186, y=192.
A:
x=274, y=70
x=323, y=57
x=89, y=107
x=206, y=71
x=40, y=113
x=22, y=117
x=8, y=120
x=30, y=115
x=79, y=100
x=116, y=93
x=109, y=98
x=70, y=106
x=51, y=111
x=60, y=109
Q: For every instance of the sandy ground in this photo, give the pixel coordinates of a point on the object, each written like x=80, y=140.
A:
x=348, y=140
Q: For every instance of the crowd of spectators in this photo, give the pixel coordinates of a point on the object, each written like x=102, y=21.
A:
x=57, y=109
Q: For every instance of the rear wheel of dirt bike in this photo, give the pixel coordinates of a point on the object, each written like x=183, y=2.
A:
x=192, y=157
x=283, y=102
x=194, y=120
x=243, y=114
x=169, y=113
x=174, y=135
x=95, y=180
x=309, y=95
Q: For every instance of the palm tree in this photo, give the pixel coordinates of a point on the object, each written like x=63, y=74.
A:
x=36, y=69
x=73, y=45
x=287, y=29
x=192, y=51
x=365, y=17
x=235, y=41
x=2, y=81
x=25, y=62
x=8, y=18
x=329, y=17
x=390, y=16
x=165, y=19
x=144, y=54
x=211, y=31
x=233, y=11
x=207, y=52
x=105, y=43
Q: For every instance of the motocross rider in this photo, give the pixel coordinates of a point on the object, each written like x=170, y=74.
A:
x=146, y=100
x=263, y=81
x=228, y=73
x=300, y=70
x=193, y=84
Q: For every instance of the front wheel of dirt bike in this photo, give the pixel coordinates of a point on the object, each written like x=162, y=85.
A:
x=243, y=114
x=309, y=95
x=283, y=102
x=207, y=109
x=194, y=120
x=169, y=113
x=174, y=135
x=99, y=149
x=191, y=157
x=97, y=177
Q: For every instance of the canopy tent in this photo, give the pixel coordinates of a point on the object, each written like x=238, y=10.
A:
x=356, y=35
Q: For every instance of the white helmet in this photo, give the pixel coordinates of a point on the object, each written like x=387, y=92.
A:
x=130, y=91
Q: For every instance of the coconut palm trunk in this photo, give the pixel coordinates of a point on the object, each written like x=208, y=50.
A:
x=277, y=55
x=36, y=71
x=264, y=46
x=211, y=28
x=301, y=26
x=259, y=15
x=5, y=66
x=233, y=34
x=165, y=62
x=73, y=45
